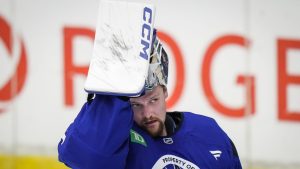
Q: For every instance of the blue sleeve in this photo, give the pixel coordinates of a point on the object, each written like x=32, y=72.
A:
x=99, y=136
x=234, y=157
x=236, y=163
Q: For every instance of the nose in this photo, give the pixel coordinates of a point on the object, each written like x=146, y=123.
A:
x=147, y=111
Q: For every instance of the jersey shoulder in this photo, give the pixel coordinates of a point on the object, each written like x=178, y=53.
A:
x=199, y=121
x=203, y=128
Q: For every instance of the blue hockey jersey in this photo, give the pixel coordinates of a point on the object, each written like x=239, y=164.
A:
x=103, y=135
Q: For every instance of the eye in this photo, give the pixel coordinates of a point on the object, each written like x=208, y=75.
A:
x=135, y=105
x=153, y=100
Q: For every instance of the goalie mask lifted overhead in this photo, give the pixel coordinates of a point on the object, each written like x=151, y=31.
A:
x=122, y=46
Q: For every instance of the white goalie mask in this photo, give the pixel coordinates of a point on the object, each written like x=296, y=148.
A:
x=158, y=65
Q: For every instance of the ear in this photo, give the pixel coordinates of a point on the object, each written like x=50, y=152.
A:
x=165, y=90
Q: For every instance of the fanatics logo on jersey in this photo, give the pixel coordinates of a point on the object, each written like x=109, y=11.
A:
x=168, y=140
x=216, y=153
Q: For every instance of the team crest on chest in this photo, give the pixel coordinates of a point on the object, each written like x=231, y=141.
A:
x=171, y=161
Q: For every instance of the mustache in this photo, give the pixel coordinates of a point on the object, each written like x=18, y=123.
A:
x=146, y=120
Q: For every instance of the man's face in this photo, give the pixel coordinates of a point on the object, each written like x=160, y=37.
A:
x=150, y=111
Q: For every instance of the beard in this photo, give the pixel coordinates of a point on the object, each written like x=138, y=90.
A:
x=155, y=131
